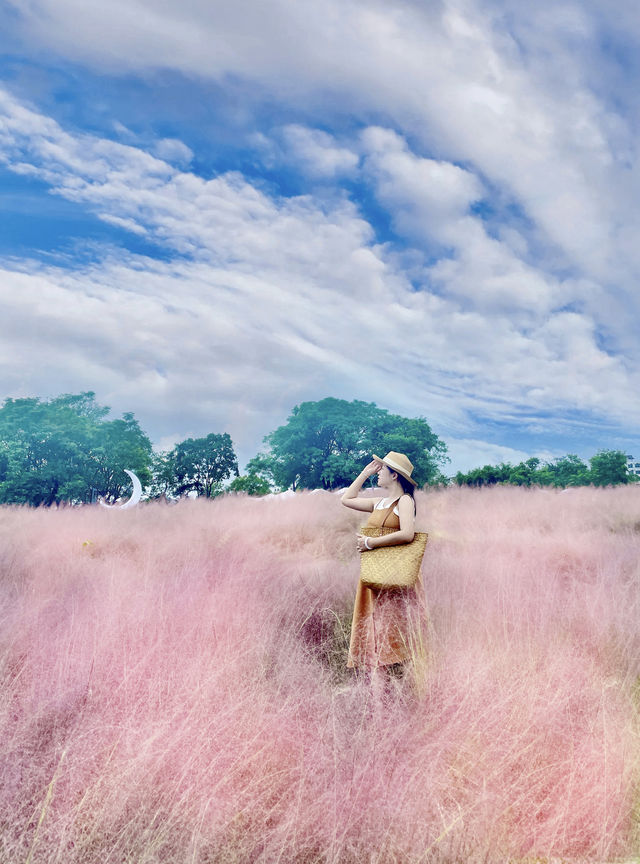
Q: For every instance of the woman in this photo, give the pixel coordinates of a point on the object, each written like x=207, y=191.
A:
x=386, y=622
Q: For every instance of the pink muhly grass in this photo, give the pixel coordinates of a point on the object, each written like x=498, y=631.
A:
x=174, y=684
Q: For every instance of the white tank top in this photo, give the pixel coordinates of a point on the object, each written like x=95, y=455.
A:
x=382, y=505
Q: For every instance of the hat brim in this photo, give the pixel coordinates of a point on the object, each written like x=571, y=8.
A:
x=395, y=468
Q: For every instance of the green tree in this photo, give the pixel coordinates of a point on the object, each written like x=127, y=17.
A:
x=324, y=444
x=544, y=477
x=120, y=444
x=163, y=468
x=202, y=464
x=488, y=475
x=252, y=484
x=61, y=449
x=608, y=468
x=568, y=470
x=261, y=466
x=524, y=474
x=45, y=449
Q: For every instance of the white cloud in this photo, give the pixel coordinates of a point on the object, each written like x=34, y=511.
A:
x=173, y=151
x=287, y=298
x=451, y=76
x=514, y=94
x=317, y=153
x=431, y=201
x=427, y=197
x=225, y=216
x=127, y=224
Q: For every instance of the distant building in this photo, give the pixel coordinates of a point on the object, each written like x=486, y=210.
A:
x=633, y=465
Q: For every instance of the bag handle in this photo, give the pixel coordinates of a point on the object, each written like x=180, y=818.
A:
x=390, y=510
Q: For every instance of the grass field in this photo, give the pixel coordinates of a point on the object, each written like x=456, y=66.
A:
x=174, y=686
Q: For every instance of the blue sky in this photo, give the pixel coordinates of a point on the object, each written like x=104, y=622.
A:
x=212, y=212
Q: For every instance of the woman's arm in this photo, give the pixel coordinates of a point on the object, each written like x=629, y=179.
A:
x=350, y=497
x=405, y=534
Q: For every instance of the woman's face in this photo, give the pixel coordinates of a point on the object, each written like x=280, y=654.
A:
x=384, y=476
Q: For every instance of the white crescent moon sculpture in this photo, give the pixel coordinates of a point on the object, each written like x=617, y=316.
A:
x=136, y=495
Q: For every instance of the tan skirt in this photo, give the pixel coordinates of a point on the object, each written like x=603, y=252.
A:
x=387, y=626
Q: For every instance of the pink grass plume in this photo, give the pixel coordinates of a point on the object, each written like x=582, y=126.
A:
x=175, y=685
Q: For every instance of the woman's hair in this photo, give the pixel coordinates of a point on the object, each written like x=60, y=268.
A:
x=407, y=487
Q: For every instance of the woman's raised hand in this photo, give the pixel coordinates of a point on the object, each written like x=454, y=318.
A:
x=350, y=496
x=372, y=468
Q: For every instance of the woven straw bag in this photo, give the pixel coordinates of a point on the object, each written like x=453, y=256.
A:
x=392, y=566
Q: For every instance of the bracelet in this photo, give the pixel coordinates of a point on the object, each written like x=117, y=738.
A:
x=366, y=543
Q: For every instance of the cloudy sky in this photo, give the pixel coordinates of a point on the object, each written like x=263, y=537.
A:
x=213, y=211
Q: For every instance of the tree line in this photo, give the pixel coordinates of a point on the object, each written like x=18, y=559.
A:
x=606, y=468
x=67, y=450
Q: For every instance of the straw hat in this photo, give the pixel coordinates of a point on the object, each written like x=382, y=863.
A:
x=399, y=463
